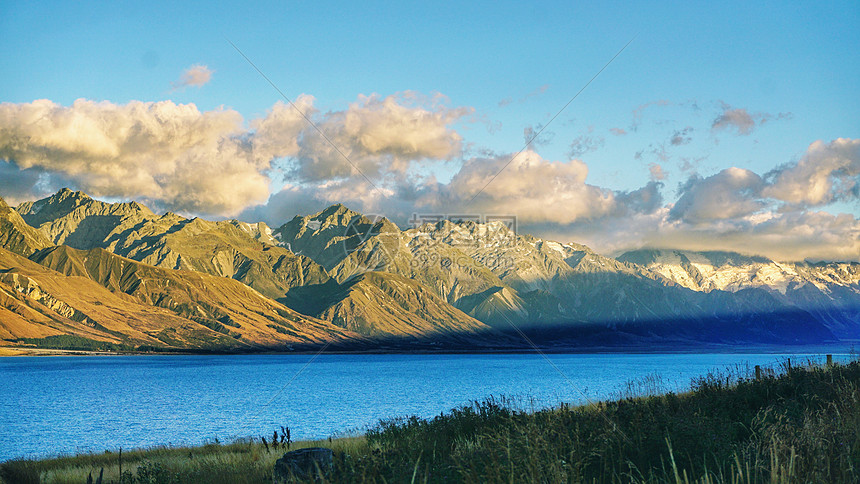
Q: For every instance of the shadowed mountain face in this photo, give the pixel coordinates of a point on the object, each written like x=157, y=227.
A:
x=411, y=311
x=338, y=275
x=829, y=292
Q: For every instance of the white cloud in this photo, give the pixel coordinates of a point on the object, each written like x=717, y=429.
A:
x=197, y=75
x=790, y=236
x=726, y=211
x=738, y=210
x=277, y=134
x=379, y=135
x=530, y=187
x=731, y=193
x=215, y=162
x=827, y=172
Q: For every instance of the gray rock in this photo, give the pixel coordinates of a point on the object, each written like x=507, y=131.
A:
x=303, y=464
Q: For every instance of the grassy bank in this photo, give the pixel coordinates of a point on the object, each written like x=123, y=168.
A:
x=799, y=424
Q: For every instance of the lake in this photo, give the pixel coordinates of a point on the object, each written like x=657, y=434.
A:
x=62, y=405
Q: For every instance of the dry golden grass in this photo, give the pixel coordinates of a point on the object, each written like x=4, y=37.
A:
x=5, y=351
x=238, y=462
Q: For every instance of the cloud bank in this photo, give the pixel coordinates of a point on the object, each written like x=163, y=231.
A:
x=734, y=209
x=168, y=153
x=179, y=158
x=381, y=154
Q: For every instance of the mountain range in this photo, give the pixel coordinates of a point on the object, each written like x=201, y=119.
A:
x=118, y=275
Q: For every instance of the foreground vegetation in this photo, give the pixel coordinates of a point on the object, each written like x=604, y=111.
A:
x=796, y=424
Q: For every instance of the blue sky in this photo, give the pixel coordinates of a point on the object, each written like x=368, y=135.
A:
x=789, y=69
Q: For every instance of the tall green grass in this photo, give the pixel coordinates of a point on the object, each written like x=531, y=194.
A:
x=795, y=424
x=802, y=425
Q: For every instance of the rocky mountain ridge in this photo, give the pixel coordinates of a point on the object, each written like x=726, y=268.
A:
x=503, y=278
x=461, y=281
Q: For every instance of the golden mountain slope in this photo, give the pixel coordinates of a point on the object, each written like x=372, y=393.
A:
x=348, y=243
x=231, y=249
x=224, y=305
x=234, y=250
x=36, y=302
x=101, y=296
x=221, y=249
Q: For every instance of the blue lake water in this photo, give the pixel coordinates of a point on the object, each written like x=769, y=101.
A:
x=64, y=405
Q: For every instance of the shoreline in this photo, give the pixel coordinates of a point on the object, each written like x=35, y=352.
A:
x=842, y=347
